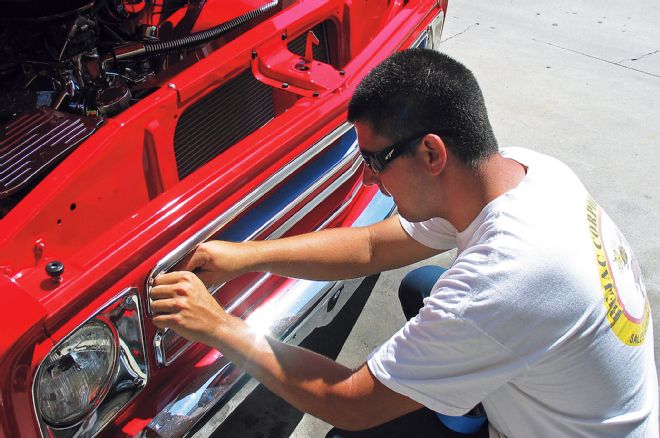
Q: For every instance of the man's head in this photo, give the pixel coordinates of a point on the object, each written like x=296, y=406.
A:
x=419, y=91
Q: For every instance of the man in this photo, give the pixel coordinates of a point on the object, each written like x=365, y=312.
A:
x=543, y=317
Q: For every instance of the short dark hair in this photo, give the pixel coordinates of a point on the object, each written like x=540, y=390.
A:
x=419, y=91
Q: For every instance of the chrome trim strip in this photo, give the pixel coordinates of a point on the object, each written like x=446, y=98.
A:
x=291, y=316
x=325, y=194
x=340, y=209
x=162, y=358
x=131, y=374
x=277, y=233
x=423, y=36
x=434, y=30
x=351, y=154
x=215, y=225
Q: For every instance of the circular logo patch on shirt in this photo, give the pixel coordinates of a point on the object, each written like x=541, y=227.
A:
x=624, y=293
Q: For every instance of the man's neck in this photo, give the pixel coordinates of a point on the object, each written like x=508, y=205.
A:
x=472, y=189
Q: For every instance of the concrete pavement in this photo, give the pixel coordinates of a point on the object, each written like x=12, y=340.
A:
x=576, y=80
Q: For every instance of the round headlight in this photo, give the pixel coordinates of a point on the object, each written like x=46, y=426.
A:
x=74, y=377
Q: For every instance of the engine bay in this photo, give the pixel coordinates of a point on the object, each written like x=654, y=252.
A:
x=70, y=63
x=97, y=57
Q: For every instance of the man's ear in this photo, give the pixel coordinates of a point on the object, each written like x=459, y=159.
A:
x=434, y=152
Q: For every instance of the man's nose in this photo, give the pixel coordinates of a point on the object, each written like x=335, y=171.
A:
x=369, y=178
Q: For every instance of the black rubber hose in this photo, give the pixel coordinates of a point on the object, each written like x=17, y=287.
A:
x=198, y=39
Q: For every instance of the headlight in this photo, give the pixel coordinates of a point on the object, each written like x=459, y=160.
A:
x=76, y=374
x=89, y=376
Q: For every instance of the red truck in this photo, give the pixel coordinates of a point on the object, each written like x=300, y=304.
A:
x=130, y=132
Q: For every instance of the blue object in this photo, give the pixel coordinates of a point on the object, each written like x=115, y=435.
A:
x=470, y=423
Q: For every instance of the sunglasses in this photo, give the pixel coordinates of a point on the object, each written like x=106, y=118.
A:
x=377, y=161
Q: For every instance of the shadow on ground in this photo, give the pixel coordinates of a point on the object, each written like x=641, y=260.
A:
x=264, y=414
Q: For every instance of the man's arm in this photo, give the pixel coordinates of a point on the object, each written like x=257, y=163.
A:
x=332, y=254
x=349, y=399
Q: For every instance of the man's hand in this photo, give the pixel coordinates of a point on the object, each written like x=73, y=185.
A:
x=214, y=262
x=182, y=302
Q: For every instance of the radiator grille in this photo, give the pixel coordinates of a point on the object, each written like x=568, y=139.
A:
x=226, y=115
x=320, y=51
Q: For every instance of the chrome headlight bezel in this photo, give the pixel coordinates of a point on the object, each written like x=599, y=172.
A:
x=128, y=372
x=71, y=352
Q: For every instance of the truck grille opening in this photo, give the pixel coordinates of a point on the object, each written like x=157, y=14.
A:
x=228, y=114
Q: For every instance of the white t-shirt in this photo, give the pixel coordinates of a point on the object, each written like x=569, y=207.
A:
x=543, y=317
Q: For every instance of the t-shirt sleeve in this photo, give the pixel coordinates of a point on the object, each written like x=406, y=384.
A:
x=443, y=361
x=436, y=233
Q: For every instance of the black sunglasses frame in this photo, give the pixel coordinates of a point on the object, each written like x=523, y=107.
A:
x=377, y=161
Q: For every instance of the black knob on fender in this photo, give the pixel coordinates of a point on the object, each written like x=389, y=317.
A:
x=55, y=269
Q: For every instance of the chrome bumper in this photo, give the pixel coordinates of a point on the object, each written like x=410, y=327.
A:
x=291, y=316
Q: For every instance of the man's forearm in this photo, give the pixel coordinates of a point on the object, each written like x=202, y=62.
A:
x=303, y=378
x=325, y=255
x=331, y=254
x=307, y=380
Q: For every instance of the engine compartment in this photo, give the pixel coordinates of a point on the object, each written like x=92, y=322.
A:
x=93, y=59
x=96, y=58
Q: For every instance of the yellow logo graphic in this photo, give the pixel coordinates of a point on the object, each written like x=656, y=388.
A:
x=624, y=293
x=621, y=257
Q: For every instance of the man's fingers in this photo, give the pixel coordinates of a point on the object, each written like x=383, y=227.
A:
x=194, y=260
x=174, y=277
x=163, y=321
x=175, y=284
x=165, y=306
x=162, y=292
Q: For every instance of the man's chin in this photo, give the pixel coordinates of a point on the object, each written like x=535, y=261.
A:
x=410, y=217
